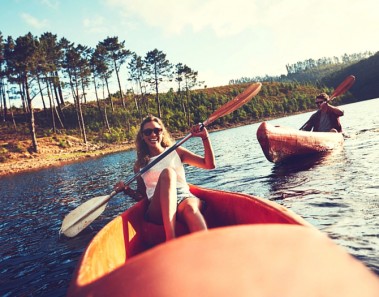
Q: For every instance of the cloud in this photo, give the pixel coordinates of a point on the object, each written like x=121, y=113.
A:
x=54, y=4
x=33, y=21
x=292, y=23
x=224, y=17
x=95, y=24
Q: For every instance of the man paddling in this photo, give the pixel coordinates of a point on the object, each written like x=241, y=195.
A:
x=326, y=119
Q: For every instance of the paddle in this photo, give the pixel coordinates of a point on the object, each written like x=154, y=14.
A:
x=85, y=214
x=341, y=89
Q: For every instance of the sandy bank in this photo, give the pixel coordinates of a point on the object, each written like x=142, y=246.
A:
x=50, y=154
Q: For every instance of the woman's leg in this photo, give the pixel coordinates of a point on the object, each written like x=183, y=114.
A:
x=163, y=204
x=189, y=211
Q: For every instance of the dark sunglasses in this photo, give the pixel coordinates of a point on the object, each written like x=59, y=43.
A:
x=319, y=102
x=147, y=132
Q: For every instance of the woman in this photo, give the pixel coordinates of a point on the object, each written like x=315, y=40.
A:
x=165, y=184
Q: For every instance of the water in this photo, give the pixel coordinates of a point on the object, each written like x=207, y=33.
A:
x=338, y=193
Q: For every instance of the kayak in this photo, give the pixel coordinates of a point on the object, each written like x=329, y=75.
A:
x=283, y=143
x=254, y=247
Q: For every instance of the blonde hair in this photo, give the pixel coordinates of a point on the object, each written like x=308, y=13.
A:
x=143, y=153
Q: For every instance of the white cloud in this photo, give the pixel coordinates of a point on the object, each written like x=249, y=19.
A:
x=33, y=21
x=95, y=24
x=54, y=4
x=296, y=24
x=222, y=16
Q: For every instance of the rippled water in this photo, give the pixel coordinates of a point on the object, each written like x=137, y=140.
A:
x=338, y=193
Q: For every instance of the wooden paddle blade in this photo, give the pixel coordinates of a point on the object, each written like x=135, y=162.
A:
x=235, y=103
x=83, y=215
x=343, y=87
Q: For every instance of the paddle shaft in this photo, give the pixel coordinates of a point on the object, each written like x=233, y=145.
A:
x=159, y=158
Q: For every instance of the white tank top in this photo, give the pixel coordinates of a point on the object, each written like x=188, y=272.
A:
x=151, y=176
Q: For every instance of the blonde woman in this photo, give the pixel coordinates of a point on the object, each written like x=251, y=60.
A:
x=165, y=183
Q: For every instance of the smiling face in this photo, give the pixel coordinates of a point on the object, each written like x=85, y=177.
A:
x=152, y=134
x=153, y=141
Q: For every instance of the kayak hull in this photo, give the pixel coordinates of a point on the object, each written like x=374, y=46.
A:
x=282, y=143
x=250, y=239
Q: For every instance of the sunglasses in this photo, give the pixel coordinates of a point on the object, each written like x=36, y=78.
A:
x=319, y=102
x=147, y=132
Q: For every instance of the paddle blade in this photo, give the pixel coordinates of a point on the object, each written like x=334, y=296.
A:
x=343, y=87
x=235, y=103
x=83, y=215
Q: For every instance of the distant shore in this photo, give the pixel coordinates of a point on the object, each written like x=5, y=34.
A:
x=50, y=156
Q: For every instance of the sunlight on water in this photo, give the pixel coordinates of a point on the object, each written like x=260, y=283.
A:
x=338, y=193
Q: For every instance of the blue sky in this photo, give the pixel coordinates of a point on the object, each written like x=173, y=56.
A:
x=220, y=39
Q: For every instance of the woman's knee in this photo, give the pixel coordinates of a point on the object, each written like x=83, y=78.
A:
x=168, y=175
x=189, y=209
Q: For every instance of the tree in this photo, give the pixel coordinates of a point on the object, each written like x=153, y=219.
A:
x=116, y=54
x=52, y=52
x=76, y=66
x=158, y=69
x=2, y=78
x=99, y=70
x=188, y=77
x=179, y=73
x=50, y=57
x=22, y=63
x=137, y=69
x=103, y=69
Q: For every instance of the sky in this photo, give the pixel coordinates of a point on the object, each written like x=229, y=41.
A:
x=220, y=39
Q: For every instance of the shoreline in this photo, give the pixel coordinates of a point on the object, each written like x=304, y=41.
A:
x=48, y=157
x=52, y=155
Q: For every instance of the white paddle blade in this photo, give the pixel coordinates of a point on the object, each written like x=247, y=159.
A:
x=83, y=215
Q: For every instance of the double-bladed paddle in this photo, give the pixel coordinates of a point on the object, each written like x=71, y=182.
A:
x=85, y=214
x=341, y=89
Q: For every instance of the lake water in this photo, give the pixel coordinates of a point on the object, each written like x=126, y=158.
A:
x=338, y=193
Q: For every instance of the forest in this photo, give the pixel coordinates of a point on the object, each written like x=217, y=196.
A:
x=73, y=83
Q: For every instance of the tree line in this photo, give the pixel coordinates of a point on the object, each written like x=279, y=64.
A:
x=311, y=70
x=274, y=100
x=44, y=67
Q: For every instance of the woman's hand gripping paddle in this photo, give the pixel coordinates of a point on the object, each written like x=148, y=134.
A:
x=85, y=214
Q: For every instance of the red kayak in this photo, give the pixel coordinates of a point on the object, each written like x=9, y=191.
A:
x=254, y=247
x=281, y=143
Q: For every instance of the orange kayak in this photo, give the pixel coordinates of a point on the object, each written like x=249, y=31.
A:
x=282, y=143
x=254, y=247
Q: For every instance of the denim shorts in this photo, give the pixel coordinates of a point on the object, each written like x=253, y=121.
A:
x=183, y=194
